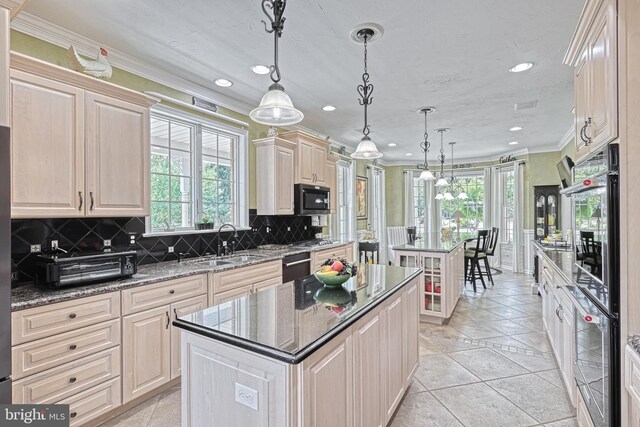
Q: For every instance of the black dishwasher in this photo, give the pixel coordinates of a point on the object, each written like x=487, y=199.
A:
x=296, y=266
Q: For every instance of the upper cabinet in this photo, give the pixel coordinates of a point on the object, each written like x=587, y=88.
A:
x=593, y=54
x=274, y=176
x=79, y=146
x=311, y=158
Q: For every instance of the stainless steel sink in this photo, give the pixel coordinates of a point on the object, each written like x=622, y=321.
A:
x=244, y=258
x=218, y=262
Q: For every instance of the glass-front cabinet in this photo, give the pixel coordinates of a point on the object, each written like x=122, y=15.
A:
x=546, y=210
x=432, y=293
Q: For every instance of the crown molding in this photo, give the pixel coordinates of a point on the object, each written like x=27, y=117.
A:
x=39, y=28
x=567, y=138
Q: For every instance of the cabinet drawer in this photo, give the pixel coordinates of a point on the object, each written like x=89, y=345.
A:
x=231, y=294
x=48, y=320
x=163, y=293
x=37, y=356
x=93, y=402
x=64, y=381
x=321, y=256
x=231, y=279
x=632, y=374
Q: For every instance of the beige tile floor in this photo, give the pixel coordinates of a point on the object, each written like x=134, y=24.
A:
x=490, y=366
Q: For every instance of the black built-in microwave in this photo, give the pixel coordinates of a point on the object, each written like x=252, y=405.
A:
x=311, y=200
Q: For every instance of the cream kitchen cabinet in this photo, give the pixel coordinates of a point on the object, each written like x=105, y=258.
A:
x=632, y=383
x=593, y=54
x=179, y=309
x=332, y=182
x=231, y=284
x=275, y=169
x=339, y=252
x=310, y=158
x=79, y=146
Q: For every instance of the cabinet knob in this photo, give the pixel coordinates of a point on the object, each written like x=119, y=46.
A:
x=73, y=347
x=72, y=380
x=73, y=414
x=72, y=316
x=172, y=292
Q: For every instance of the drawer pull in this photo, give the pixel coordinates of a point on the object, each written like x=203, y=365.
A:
x=72, y=380
x=72, y=316
x=73, y=347
x=172, y=292
x=73, y=414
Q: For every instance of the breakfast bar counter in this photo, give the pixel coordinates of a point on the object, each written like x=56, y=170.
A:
x=304, y=354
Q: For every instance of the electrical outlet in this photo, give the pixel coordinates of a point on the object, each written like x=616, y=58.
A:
x=36, y=248
x=247, y=396
x=54, y=245
x=288, y=228
x=132, y=239
x=106, y=243
x=224, y=244
x=268, y=230
x=170, y=249
x=305, y=227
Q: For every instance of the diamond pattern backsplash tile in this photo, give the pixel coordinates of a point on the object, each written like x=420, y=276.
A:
x=89, y=234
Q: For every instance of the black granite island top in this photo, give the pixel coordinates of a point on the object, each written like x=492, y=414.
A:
x=254, y=322
x=32, y=295
x=430, y=245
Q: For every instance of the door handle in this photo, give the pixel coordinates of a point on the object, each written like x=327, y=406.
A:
x=167, y=314
x=80, y=196
x=91, y=197
x=583, y=132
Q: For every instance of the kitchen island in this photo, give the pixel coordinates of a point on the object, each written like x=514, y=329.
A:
x=300, y=354
x=442, y=279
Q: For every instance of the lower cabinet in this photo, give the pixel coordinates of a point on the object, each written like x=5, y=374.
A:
x=94, y=402
x=394, y=360
x=368, y=408
x=151, y=346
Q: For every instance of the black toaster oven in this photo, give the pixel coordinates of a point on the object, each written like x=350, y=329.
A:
x=79, y=268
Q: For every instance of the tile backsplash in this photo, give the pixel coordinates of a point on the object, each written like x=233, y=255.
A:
x=89, y=234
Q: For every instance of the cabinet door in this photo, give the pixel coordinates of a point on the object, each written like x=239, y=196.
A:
x=410, y=330
x=368, y=379
x=304, y=163
x=146, y=350
x=117, y=167
x=47, y=148
x=581, y=88
x=226, y=296
x=603, y=70
x=568, y=352
x=284, y=180
x=178, y=309
x=320, y=164
x=395, y=358
x=328, y=384
x=332, y=179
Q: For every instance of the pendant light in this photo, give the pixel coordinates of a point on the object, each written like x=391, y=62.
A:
x=442, y=181
x=448, y=195
x=276, y=108
x=366, y=148
x=426, y=174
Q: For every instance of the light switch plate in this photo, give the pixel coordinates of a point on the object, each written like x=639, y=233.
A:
x=247, y=396
x=170, y=249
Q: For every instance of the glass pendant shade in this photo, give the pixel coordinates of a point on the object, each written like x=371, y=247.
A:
x=276, y=109
x=366, y=150
x=463, y=195
x=442, y=182
x=439, y=196
x=448, y=196
x=426, y=175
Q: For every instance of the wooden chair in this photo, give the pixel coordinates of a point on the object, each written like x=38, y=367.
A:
x=473, y=256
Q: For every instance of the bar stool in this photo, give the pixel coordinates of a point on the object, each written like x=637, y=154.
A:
x=369, y=252
x=472, y=259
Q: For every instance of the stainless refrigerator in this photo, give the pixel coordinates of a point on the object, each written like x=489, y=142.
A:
x=5, y=268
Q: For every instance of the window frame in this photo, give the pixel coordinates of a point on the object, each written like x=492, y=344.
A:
x=240, y=173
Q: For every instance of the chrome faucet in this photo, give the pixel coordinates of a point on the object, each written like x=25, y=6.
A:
x=222, y=250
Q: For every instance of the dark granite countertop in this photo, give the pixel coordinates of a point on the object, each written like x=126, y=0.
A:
x=290, y=321
x=28, y=296
x=434, y=245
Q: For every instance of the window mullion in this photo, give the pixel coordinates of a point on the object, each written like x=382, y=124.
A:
x=197, y=173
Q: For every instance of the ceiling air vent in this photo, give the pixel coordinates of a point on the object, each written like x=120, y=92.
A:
x=525, y=105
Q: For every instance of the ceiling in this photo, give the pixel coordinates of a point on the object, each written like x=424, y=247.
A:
x=450, y=54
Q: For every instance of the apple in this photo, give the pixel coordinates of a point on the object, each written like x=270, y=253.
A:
x=337, y=266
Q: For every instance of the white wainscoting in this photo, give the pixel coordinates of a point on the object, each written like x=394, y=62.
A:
x=529, y=252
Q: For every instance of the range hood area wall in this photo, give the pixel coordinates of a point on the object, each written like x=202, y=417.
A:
x=88, y=234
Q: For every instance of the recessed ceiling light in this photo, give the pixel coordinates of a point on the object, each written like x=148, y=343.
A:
x=408, y=154
x=515, y=129
x=223, y=82
x=393, y=144
x=514, y=143
x=260, y=69
x=521, y=67
x=328, y=108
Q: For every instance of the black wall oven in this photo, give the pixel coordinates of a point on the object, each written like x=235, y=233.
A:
x=311, y=200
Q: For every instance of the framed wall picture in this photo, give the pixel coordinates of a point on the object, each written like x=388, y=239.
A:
x=361, y=197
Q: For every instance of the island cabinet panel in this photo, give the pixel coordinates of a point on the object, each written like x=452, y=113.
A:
x=146, y=351
x=117, y=172
x=47, y=161
x=327, y=384
x=395, y=360
x=368, y=333
x=410, y=329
